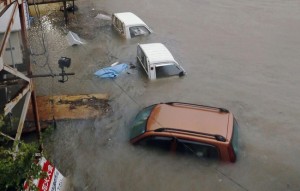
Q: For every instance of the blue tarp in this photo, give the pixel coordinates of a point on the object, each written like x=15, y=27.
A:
x=111, y=72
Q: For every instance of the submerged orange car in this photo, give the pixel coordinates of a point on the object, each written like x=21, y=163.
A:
x=200, y=130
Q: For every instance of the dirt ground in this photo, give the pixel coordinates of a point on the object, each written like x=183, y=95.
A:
x=240, y=55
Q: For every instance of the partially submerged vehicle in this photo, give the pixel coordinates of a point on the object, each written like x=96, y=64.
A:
x=158, y=61
x=188, y=129
x=129, y=25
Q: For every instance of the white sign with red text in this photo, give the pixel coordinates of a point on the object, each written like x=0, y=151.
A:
x=54, y=180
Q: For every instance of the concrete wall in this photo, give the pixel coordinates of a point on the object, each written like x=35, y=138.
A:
x=16, y=25
x=13, y=53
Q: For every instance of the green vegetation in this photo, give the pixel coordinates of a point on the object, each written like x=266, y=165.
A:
x=1, y=121
x=16, y=167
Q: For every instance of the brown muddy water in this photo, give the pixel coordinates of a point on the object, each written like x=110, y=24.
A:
x=240, y=55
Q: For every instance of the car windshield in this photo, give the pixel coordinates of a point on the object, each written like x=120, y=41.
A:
x=139, y=124
x=235, y=137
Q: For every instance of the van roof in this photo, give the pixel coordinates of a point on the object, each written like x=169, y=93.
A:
x=157, y=53
x=129, y=19
x=189, y=117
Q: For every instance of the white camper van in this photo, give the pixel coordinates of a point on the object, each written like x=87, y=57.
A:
x=157, y=61
x=129, y=25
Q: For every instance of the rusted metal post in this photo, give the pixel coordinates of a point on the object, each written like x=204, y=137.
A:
x=36, y=118
x=29, y=72
x=73, y=7
x=4, y=41
x=26, y=52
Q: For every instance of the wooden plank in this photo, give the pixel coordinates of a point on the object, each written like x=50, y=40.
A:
x=1, y=63
x=65, y=107
x=22, y=118
x=13, y=102
x=15, y=72
x=21, y=122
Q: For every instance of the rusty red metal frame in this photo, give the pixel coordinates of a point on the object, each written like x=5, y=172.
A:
x=27, y=90
x=8, y=29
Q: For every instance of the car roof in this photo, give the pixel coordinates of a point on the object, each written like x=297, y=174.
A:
x=157, y=53
x=129, y=19
x=190, y=118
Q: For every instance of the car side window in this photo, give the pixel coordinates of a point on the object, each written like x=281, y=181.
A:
x=157, y=142
x=197, y=149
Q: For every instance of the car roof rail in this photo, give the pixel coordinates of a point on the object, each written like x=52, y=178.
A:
x=222, y=110
x=216, y=136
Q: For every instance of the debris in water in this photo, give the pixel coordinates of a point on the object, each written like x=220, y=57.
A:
x=69, y=7
x=96, y=103
x=73, y=39
x=103, y=17
x=111, y=72
x=132, y=66
x=116, y=63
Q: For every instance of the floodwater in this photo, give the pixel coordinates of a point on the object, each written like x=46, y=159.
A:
x=241, y=55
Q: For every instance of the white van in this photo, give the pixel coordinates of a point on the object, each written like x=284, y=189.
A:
x=157, y=61
x=129, y=25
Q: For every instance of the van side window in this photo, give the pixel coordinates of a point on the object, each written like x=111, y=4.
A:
x=141, y=55
x=118, y=24
x=139, y=52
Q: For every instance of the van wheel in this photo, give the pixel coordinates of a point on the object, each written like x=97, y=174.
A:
x=181, y=74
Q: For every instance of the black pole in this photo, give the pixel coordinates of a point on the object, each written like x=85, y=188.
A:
x=65, y=11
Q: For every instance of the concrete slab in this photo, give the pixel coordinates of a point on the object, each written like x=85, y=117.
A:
x=64, y=107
